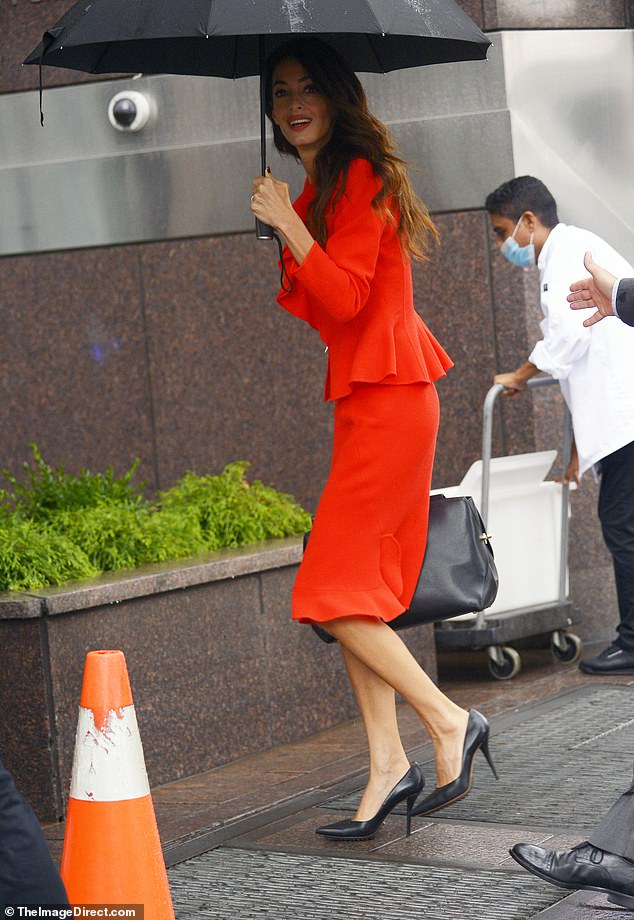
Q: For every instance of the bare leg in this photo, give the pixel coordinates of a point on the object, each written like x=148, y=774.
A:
x=388, y=760
x=380, y=649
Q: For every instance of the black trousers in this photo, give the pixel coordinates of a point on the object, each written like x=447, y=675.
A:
x=27, y=872
x=616, y=513
x=616, y=832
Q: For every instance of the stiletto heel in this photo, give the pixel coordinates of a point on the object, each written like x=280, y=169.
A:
x=410, y=804
x=409, y=787
x=484, y=747
x=476, y=738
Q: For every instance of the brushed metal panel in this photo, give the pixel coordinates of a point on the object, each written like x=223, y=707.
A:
x=204, y=110
x=79, y=182
x=196, y=191
x=441, y=90
x=571, y=95
x=456, y=161
x=189, y=111
x=156, y=195
x=556, y=14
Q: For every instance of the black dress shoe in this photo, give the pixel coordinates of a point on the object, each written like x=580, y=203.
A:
x=612, y=660
x=476, y=738
x=585, y=866
x=409, y=787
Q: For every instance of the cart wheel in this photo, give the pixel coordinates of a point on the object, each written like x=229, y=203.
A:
x=566, y=646
x=506, y=664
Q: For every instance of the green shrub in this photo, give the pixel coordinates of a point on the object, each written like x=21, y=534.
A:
x=55, y=527
x=47, y=490
x=32, y=556
x=232, y=512
x=125, y=536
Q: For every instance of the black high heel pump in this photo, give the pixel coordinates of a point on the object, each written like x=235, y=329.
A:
x=476, y=738
x=409, y=787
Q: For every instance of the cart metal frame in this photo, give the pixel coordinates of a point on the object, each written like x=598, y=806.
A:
x=495, y=631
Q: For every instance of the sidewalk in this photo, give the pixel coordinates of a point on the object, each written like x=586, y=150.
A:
x=254, y=819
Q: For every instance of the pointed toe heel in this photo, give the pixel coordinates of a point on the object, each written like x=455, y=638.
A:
x=408, y=788
x=476, y=738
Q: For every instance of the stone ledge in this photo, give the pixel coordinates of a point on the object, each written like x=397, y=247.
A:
x=127, y=584
x=18, y=605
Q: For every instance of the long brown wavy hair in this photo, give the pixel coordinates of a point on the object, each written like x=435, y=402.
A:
x=356, y=133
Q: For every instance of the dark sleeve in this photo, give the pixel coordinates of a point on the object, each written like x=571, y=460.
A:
x=27, y=872
x=625, y=301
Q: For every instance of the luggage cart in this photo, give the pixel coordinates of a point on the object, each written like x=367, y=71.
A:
x=495, y=629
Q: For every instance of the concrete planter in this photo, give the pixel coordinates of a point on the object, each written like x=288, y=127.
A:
x=218, y=671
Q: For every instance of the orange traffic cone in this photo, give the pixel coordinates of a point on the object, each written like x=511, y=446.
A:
x=112, y=851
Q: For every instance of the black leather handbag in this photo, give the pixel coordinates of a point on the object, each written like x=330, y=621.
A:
x=458, y=574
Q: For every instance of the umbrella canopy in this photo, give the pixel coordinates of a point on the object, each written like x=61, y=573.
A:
x=231, y=38
x=227, y=38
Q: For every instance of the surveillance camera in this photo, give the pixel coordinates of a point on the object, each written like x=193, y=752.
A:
x=129, y=111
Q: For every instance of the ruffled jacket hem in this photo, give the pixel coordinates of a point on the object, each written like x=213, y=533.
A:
x=394, y=360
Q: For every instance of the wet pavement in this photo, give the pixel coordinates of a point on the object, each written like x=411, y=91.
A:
x=239, y=840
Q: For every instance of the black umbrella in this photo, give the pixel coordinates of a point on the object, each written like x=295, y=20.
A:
x=231, y=38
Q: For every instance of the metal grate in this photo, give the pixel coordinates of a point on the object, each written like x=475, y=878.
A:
x=563, y=766
x=228, y=884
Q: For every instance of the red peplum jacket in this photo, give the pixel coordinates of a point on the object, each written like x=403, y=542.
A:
x=358, y=294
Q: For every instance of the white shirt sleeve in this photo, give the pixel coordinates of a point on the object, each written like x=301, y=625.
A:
x=615, y=291
x=566, y=339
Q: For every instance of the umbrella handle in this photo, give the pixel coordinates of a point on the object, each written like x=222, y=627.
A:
x=262, y=231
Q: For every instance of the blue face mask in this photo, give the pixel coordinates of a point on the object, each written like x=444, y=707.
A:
x=520, y=256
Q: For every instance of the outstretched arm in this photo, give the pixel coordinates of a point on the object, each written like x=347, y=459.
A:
x=572, y=473
x=515, y=381
x=595, y=291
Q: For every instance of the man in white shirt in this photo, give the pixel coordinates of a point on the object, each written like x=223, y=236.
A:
x=595, y=369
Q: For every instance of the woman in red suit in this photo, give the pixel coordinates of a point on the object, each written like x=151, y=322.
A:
x=348, y=240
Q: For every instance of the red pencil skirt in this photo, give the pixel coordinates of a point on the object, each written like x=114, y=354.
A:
x=368, y=539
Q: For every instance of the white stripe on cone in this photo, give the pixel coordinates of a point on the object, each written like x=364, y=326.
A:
x=108, y=765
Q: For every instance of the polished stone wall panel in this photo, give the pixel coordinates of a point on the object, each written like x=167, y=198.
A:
x=587, y=547
x=23, y=22
x=554, y=14
x=234, y=376
x=453, y=295
x=204, y=643
x=594, y=595
x=420, y=642
x=515, y=296
x=73, y=371
x=27, y=748
x=318, y=693
x=474, y=9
